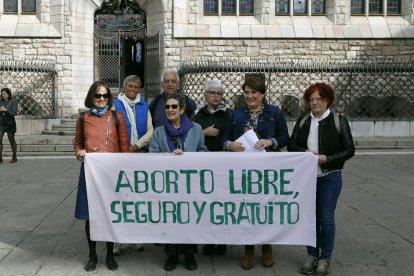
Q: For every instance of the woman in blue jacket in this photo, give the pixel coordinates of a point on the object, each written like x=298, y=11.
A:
x=269, y=124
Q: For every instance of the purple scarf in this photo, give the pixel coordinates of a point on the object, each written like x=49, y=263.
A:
x=176, y=137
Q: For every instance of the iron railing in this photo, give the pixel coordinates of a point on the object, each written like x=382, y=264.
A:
x=364, y=90
x=32, y=83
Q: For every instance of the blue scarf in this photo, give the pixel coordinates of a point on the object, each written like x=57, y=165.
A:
x=98, y=111
x=176, y=137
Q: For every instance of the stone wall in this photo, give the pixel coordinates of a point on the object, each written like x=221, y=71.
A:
x=337, y=36
x=243, y=50
x=68, y=44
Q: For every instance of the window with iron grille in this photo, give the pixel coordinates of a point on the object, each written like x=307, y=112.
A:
x=375, y=7
x=282, y=6
x=300, y=7
x=12, y=6
x=393, y=7
x=228, y=7
x=28, y=5
x=211, y=7
x=246, y=7
x=357, y=7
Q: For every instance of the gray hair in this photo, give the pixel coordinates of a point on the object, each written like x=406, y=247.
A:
x=213, y=84
x=169, y=70
x=132, y=78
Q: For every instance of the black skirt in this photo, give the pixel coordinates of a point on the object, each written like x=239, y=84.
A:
x=7, y=122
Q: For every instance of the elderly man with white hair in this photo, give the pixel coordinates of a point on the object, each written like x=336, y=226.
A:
x=169, y=82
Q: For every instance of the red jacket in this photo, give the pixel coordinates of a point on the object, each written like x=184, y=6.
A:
x=101, y=134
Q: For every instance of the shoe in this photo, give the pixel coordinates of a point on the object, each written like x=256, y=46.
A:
x=190, y=262
x=247, y=262
x=323, y=267
x=91, y=264
x=267, y=255
x=220, y=250
x=14, y=160
x=171, y=263
x=309, y=267
x=111, y=262
x=208, y=249
x=117, y=251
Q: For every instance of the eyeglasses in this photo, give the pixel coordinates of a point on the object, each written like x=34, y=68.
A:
x=98, y=96
x=215, y=94
x=173, y=106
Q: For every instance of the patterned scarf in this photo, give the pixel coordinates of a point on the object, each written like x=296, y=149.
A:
x=221, y=106
x=98, y=111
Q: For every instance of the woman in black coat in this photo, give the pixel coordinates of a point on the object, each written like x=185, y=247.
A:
x=8, y=109
x=213, y=117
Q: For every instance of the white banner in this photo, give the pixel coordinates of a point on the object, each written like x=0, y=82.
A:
x=209, y=197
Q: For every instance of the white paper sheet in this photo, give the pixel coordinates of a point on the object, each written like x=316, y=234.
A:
x=248, y=140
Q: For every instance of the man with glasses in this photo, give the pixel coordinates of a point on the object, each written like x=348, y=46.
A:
x=170, y=84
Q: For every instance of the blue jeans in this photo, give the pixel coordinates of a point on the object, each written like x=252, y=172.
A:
x=327, y=192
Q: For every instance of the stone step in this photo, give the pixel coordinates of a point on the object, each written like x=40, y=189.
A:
x=41, y=145
x=59, y=132
x=68, y=122
x=8, y=154
x=41, y=139
x=63, y=127
x=384, y=142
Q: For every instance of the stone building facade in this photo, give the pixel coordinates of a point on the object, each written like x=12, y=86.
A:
x=62, y=31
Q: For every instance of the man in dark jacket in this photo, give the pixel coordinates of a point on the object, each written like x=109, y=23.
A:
x=170, y=83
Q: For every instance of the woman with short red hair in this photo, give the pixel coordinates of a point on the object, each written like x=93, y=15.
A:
x=328, y=136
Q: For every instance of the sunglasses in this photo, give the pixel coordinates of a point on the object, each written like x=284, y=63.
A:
x=98, y=96
x=173, y=106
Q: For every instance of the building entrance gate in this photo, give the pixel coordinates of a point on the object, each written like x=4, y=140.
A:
x=122, y=47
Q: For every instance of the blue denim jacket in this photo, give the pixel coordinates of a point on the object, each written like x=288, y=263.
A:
x=271, y=125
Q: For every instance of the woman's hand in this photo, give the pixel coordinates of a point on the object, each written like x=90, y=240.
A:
x=133, y=148
x=211, y=131
x=263, y=143
x=81, y=155
x=178, y=152
x=235, y=146
x=321, y=159
x=2, y=108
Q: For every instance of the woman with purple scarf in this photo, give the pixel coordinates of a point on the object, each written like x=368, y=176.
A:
x=179, y=134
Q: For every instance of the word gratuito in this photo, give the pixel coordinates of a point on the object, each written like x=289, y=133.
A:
x=215, y=212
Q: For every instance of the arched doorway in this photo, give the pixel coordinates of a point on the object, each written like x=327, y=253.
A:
x=122, y=48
